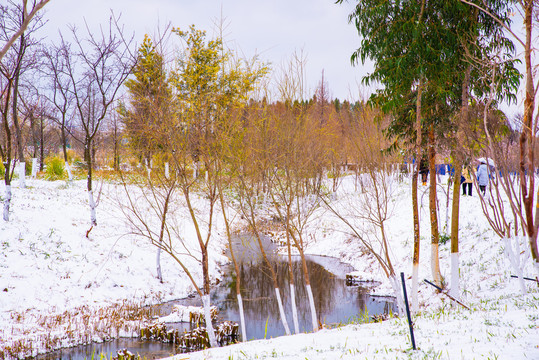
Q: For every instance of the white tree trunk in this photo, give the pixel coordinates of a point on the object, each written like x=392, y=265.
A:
x=242, y=318
x=294, y=308
x=158, y=264
x=93, y=217
x=455, y=287
x=7, y=202
x=397, y=288
x=415, y=290
x=69, y=174
x=195, y=169
x=514, y=260
x=22, y=175
x=314, y=317
x=281, y=311
x=435, y=263
x=209, y=324
x=167, y=170
x=34, y=168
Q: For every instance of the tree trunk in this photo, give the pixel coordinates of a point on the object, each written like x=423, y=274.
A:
x=398, y=294
x=435, y=234
x=314, y=316
x=162, y=234
x=6, y=157
x=209, y=324
x=242, y=317
x=41, y=144
x=64, y=149
x=294, y=307
x=236, y=266
x=455, y=208
x=527, y=138
x=415, y=205
x=281, y=311
x=514, y=259
x=455, y=213
x=291, y=273
x=7, y=200
x=22, y=174
x=15, y=103
x=34, y=167
x=93, y=217
x=15, y=117
x=275, y=284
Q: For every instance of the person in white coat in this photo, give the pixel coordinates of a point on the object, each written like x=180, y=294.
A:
x=482, y=177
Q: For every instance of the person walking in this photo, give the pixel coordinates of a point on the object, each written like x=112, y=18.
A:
x=466, y=181
x=482, y=177
x=424, y=170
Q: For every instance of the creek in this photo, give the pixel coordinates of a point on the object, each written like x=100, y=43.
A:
x=335, y=302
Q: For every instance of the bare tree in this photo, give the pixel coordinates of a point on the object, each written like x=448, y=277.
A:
x=530, y=123
x=366, y=214
x=60, y=93
x=29, y=10
x=14, y=22
x=96, y=70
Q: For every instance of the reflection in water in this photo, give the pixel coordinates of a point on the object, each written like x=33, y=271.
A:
x=335, y=302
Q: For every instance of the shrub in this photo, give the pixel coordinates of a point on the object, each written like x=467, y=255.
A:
x=2, y=168
x=54, y=168
x=444, y=238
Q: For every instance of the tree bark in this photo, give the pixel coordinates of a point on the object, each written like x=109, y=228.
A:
x=434, y=231
x=455, y=208
x=527, y=137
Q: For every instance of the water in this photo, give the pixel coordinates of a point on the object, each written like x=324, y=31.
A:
x=335, y=302
x=148, y=349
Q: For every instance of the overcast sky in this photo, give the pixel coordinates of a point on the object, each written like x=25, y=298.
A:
x=272, y=29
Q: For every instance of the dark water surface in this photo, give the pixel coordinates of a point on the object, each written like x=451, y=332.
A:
x=335, y=302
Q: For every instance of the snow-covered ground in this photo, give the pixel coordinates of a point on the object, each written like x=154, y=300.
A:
x=58, y=286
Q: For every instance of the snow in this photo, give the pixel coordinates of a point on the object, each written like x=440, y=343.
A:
x=182, y=313
x=54, y=278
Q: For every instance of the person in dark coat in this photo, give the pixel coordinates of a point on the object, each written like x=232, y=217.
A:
x=424, y=170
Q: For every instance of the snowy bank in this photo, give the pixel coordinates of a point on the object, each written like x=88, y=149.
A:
x=58, y=283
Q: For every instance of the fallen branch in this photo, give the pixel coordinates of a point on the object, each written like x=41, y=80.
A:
x=446, y=294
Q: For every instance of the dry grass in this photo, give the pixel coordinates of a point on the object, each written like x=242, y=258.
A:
x=82, y=325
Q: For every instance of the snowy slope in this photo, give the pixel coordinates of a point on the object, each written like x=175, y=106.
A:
x=56, y=280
